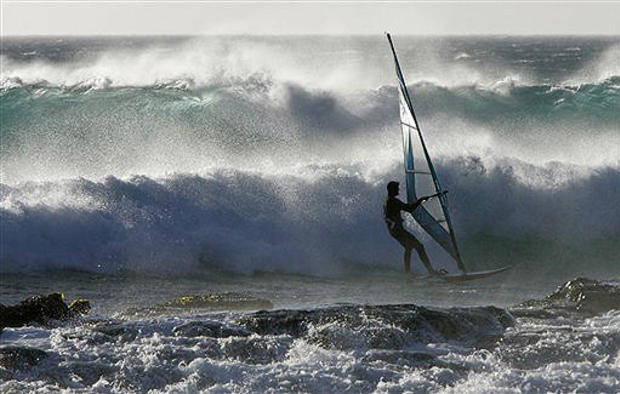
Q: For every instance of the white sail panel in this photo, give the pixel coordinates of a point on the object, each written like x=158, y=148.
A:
x=408, y=134
x=405, y=115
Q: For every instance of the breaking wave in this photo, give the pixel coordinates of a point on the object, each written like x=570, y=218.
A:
x=247, y=222
x=222, y=158
x=54, y=133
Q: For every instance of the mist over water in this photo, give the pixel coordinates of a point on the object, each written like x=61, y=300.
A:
x=272, y=154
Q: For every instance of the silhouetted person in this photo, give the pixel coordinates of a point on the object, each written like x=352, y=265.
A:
x=391, y=215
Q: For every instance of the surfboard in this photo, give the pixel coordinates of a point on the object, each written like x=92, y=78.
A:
x=472, y=275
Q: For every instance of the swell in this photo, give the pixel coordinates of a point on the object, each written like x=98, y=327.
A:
x=592, y=103
x=82, y=131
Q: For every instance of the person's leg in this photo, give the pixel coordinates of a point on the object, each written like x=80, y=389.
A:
x=407, y=260
x=409, y=242
x=424, y=257
x=402, y=237
x=417, y=245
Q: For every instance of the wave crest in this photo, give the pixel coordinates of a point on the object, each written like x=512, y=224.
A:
x=315, y=224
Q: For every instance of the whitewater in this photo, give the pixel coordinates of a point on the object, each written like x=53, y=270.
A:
x=135, y=170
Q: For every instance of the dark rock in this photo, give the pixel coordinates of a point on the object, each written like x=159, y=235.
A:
x=79, y=307
x=116, y=330
x=257, y=350
x=97, y=332
x=226, y=301
x=40, y=309
x=411, y=359
x=220, y=301
x=212, y=329
x=279, y=322
x=16, y=358
x=588, y=295
x=373, y=324
x=578, y=295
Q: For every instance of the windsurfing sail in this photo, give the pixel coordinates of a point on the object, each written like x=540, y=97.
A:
x=421, y=176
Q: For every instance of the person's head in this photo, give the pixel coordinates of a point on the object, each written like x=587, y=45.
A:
x=392, y=188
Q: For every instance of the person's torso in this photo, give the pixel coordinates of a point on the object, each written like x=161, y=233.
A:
x=391, y=213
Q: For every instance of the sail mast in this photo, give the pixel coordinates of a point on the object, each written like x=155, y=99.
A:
x=422, y=216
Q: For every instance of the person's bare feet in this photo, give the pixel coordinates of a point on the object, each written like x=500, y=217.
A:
x=439, y=272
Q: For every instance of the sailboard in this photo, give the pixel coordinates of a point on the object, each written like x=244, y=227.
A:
x=422, y=180
x=472, y=275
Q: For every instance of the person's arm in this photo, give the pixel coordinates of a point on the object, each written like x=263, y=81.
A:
x=412, y=207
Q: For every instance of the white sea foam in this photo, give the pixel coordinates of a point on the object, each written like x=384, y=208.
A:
x=573, y=353
x=247, y=221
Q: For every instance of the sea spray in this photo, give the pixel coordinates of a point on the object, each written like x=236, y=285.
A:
x=221, y=157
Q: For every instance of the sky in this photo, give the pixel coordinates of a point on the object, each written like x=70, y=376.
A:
x=195, y=17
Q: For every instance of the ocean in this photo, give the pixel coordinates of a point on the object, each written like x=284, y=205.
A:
x=251, y=170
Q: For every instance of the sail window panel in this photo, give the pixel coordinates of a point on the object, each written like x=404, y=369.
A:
x=405, y=115
x=409, y=163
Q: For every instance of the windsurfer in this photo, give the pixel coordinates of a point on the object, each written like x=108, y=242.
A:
x=391, y=214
